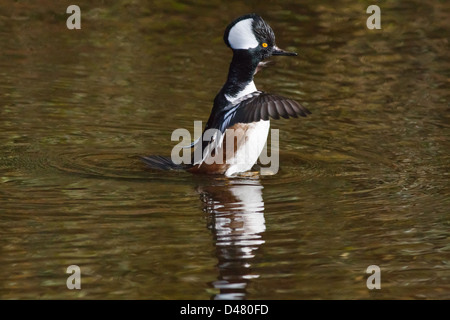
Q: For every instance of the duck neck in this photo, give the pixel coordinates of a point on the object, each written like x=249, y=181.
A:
x=240, y=75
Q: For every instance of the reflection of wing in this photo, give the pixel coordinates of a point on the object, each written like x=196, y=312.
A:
x=258, y=106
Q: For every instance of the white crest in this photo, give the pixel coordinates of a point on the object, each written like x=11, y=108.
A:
x=241, y=35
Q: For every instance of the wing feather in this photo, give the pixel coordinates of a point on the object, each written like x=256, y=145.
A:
x=258, y=106
x=254, y=107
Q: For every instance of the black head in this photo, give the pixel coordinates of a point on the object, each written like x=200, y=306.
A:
x=250, y=32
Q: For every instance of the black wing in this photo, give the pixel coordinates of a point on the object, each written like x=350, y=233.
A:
x=253, y=107
x=258, y=106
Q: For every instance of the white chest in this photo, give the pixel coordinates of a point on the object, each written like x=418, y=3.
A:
x=250, y=147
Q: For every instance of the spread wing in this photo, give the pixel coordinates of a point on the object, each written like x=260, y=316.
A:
x=252, y=107
x=258, y=106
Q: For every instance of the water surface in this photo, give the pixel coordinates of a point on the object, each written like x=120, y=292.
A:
x=363, y=181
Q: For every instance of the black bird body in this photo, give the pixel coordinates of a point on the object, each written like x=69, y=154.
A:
x=239, y=108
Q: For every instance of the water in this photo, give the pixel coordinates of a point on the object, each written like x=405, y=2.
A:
x=363, y=181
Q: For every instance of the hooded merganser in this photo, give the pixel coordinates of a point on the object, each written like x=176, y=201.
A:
x=239, y=106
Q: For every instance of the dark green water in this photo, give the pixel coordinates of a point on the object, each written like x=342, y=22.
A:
x=363, y=181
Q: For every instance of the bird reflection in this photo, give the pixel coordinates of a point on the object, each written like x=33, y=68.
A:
x=235, y=214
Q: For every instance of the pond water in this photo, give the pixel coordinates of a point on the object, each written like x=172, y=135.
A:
x=363, y=181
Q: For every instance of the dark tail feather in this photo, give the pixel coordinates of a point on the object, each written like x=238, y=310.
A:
x=163, y=163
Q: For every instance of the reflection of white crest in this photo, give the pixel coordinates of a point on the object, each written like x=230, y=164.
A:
x=241, y=35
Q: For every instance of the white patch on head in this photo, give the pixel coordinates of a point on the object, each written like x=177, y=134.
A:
x=241, y=35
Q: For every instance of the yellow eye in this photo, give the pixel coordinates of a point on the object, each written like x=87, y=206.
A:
x=264, y=45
